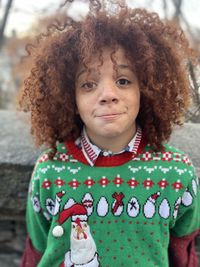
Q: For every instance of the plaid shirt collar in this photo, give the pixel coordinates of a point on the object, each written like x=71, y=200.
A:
x=92, y=152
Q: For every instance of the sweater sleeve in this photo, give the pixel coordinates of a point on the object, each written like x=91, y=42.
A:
x=37, y=222
x=31, y=257
x=182, y=251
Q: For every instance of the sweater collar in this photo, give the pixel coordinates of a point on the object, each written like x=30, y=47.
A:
x=92, y=152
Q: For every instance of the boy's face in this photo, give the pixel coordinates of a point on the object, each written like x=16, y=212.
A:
x=108, y=101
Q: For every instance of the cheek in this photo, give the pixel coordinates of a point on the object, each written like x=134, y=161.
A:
x=134, y=100
x=84, y=105
x=78, y=104
x=82, y=110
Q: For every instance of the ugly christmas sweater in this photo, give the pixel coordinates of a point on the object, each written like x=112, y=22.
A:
x=133, y=209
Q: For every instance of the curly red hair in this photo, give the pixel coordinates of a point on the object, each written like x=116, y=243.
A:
x=160, y=53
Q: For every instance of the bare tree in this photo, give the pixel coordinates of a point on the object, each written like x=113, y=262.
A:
x=179, y=18
x=178, y=5
x=4, y=21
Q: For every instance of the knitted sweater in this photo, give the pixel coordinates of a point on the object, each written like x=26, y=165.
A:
x=120, y=212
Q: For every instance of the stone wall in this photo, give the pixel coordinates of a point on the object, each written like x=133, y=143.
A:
x=17, y=158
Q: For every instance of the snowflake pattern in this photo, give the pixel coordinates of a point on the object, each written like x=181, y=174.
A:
x=59, y=182
x=58, y=169
x=118, y=181
x=89, y=182
x=74, y=184
x=74, y=170
x=132, y=182
x=46, y=184
x=163, y=183
x=134, y=170
x=177, y=185
x=148, y=183
x=150, y=169
x=104, y=181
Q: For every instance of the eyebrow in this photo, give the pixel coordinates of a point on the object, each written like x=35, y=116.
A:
x=124, y=66
x=119, y=66
x=80, y=73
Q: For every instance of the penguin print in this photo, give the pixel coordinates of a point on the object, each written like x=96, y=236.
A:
x=187, y=198
x=164, y=209
x=133, y=207
x=194, y=187
x=102, y=207
x=149, y=208
x=69, y=203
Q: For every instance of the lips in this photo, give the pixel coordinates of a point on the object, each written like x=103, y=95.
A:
x=110, y=115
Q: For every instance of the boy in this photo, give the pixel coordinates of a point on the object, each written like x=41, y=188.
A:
x=104, y=94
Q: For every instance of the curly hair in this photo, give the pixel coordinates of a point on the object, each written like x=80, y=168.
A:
x=158, y=49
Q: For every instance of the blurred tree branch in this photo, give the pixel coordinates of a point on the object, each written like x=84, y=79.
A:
x=178, y=17
x=178, y=5
x=4, y=21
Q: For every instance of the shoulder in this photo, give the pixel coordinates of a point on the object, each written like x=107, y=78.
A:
x=44, y=164
x=177, y=155
x=46, y=169
x=181, y=164
x=172, y=165
x=172, y=158
x=60, y=155
x=168, y=154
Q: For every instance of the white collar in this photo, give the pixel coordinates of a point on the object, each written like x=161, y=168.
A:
x=92, y=152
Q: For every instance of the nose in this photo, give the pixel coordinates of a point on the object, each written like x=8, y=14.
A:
x=108, y=93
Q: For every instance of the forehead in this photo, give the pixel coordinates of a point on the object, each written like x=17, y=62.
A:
x=114, y=58
x=108, y=54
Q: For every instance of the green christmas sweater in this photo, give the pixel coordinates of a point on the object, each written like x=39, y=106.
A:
x=121, y=212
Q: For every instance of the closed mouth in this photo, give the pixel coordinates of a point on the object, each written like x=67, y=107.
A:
x=110, y=115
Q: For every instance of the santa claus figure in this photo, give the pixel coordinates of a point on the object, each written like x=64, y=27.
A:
x=83, y=252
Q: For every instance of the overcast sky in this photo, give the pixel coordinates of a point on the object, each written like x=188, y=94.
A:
x=25, y=12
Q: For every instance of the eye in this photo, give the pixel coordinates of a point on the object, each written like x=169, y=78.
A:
x=123, y=82
x=88, y=85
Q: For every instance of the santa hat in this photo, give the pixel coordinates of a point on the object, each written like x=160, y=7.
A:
x=60, y=194
x=155, y=196
x=77, y=212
